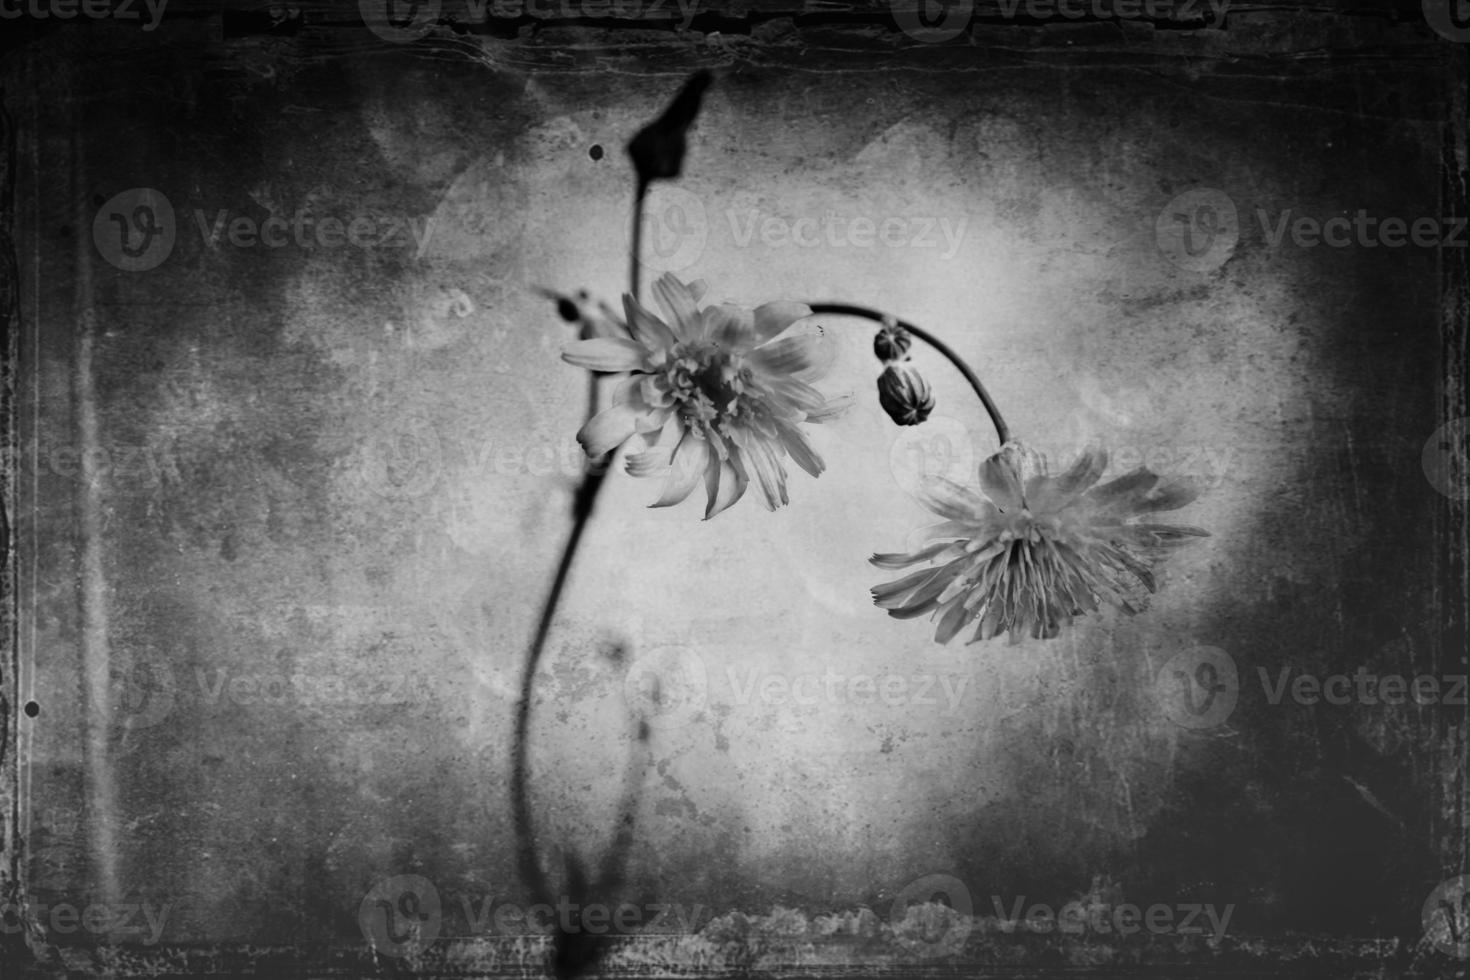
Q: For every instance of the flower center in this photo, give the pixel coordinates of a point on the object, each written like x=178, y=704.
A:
x=707, y=381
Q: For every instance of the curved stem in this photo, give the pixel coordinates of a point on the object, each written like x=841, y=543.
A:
x=1002, y=431
x=586, y=496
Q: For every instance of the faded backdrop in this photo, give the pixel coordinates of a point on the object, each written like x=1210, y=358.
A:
x=353, y=466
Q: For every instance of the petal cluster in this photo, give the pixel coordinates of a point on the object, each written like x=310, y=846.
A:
x=1031, y=550
x=716, y=395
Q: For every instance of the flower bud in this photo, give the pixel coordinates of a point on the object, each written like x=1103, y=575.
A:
x=891, y=343
x=904, y=394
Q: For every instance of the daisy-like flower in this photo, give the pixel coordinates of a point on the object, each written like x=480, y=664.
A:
x=716, y=394
x=1036, y=549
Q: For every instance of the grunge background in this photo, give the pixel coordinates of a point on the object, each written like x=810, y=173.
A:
x=293, y=460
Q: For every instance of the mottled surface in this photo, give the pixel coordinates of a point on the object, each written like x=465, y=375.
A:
x=354, y=465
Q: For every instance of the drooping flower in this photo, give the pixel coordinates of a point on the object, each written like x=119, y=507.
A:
x=1035, y=549
x=716, y=394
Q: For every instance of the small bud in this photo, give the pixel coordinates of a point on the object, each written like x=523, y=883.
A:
x=892, y=343
x=904, y=394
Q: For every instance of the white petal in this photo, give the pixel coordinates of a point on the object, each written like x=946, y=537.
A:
x=1000, y=481
x=609, y=429
x=688, y=465
x=605, y=354
x=802, y=354
x=769, y=472
x=645, y=327
x=772, y=318
x=724, y=484
x=801, y=451
x=948, y=499
x=650, y=462
x=679, y=304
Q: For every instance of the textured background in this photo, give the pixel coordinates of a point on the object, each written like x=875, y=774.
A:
x=355, y=464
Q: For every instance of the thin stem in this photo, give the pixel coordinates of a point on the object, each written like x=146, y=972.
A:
x=1002, y=431
x=634, y=276
x=586, y=496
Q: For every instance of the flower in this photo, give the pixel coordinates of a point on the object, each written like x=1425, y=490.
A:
x=1040, y=550
x=904, y=394
x=717, y=393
